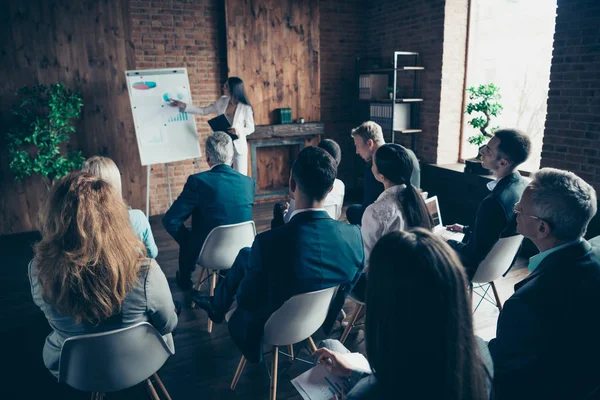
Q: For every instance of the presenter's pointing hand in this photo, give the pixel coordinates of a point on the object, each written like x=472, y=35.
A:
x=177, y=103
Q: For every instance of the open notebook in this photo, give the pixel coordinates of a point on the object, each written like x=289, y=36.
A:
x=433, y=206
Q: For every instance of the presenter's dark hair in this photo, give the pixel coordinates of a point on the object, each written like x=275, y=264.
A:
x=514, y=145
x=394, y=163
x=314, y=172
x=237, y=90
x=419, y=330
x=332, y=148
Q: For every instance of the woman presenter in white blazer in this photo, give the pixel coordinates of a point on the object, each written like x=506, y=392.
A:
x=235, y=105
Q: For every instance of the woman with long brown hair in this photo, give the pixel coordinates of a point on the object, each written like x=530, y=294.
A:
x=90, y=272
x=419, y=331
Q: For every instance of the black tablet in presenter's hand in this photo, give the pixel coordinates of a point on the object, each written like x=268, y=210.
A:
x=220, y=123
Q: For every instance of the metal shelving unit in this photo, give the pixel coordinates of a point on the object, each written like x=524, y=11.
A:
x=403, y=62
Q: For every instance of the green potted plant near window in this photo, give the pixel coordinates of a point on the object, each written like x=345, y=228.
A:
x=483, y=106
x=37, y=140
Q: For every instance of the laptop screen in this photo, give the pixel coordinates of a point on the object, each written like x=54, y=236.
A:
x=434, y=210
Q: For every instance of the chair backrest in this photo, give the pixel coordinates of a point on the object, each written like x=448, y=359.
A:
x=332, y=210
x=223, y=244
x=498, y=260
x=298, y=318
x=114, y=360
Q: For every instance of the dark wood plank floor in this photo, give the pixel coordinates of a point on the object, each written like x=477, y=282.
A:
x=204, y=363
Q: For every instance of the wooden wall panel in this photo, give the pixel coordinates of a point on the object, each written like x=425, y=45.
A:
x=273, y=46
x=84, y=44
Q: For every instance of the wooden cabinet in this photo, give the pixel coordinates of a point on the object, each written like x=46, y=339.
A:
x=273, y=149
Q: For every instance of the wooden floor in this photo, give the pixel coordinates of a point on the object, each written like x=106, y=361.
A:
x=204, y=363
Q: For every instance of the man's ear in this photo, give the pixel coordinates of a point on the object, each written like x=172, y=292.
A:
x=543, y=229
x=370, y=143
x=504, y=162
x=293, y=184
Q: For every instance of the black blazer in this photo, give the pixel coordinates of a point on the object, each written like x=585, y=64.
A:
x=495, y=219
x=311, y=252
x=219, y=196
x=547, y=343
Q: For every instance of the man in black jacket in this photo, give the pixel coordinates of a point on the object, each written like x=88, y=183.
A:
x=546, y=344
x=368, y=137
x=495, y=218
x=309, y=253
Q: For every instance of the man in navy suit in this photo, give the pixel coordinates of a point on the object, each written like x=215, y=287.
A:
x=546, y=344
x=495, y=219
x=311, y=252
x=219, y=196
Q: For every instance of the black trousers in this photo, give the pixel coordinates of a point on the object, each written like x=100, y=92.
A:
x=354, y=213
x=227, y=287
x=189, y=250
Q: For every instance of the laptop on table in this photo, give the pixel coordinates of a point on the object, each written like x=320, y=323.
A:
x=433, y=206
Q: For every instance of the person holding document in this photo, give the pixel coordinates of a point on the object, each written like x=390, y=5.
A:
x=234, y=104
x=419, y=329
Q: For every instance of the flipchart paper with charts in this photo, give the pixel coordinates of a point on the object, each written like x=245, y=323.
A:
x=164, y=134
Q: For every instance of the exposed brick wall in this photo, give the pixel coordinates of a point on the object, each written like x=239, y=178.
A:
x=572, y=132
x=343, y=38
x=413, y=25
x=180, y=33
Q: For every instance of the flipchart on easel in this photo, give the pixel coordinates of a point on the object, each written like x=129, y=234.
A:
x=164, y=134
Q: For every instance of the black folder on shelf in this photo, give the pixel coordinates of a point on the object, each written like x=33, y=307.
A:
x=220, y=123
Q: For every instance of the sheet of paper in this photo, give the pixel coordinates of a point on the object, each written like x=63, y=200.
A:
x=319, y=384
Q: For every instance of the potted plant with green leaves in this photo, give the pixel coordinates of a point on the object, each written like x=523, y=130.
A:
x=37, y=140
x=483, y=106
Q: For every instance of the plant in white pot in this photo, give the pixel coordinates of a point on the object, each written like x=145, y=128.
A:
x=483, y=105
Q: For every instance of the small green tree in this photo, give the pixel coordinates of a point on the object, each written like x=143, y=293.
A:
x=42, y=124
x=484, y=100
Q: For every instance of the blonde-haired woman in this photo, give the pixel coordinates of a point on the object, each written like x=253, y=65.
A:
x=106, y=169
x=90, y=273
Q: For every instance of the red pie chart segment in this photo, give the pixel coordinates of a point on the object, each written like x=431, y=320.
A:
x=144, y=85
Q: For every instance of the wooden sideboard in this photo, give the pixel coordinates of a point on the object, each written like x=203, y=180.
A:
x=272, y=150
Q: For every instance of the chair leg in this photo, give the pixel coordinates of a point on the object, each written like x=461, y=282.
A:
x=162, y=387
x=201, y=278
x=311, y=344
x=97, y=396
x=498, y=302
x=291, y=351
x=211, y=292
x=351, y=323
x=151, y=390
x=238, y=373
x=274, y=373
x=199, y=285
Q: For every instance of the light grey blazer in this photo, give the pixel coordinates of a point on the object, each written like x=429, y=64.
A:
x=243, y=120
x=149, y=300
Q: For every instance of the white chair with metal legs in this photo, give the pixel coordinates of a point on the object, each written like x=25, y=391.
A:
x=332, y=210
x=497, y=262
x=219, y=251
x=115, y=360
x=353, y=317
x=295, y=321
